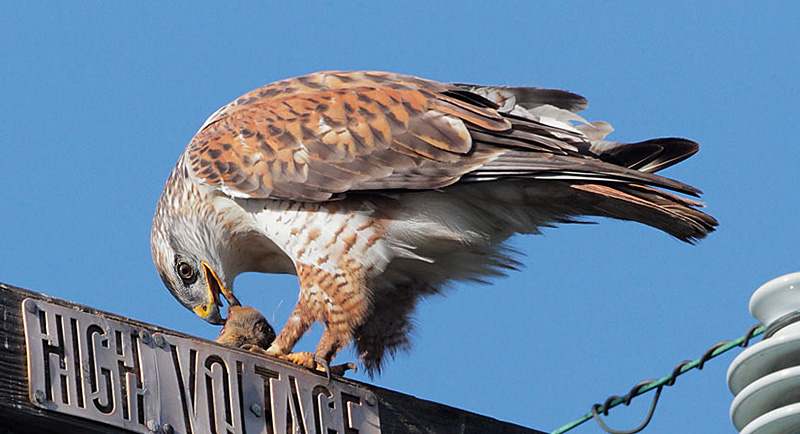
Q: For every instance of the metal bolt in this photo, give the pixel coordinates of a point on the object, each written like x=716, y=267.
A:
x=159, y=340
x=144, y=335
x=370, y=399
x=38, y=395
x=256, y=409
x=152, y=425
x=167, y=429
x=30, y=306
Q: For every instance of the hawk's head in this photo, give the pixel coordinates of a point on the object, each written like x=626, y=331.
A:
x=187, y=251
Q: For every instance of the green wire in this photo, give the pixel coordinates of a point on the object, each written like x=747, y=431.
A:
x=656, y=384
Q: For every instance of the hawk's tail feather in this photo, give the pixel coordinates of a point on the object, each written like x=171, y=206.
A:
x=670, y=213
x=532, y=155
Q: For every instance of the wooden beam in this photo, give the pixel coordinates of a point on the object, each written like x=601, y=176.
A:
x=21, y=413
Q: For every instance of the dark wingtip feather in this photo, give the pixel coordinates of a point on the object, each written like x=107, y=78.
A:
x=533, y=96
x=529, y=97
x=470, y=97
x=674, y=150
x=650, y=155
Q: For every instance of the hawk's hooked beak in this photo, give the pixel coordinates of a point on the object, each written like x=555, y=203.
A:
x=210, y=310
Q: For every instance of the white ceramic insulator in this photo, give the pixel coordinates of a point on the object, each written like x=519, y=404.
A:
x=765, y=378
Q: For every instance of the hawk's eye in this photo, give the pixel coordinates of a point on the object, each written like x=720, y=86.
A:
x=186, y=272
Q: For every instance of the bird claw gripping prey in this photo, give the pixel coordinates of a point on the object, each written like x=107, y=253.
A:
x=246, y=328
x=307, y=360
x=378, y=189
x=311, y=361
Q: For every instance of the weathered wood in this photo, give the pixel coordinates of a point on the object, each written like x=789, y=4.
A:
x=17, y=414
x=399, y=413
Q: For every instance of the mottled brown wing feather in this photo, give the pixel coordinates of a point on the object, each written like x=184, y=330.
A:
x=311, y=137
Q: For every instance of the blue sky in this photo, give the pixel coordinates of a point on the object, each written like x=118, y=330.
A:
x=98, y=99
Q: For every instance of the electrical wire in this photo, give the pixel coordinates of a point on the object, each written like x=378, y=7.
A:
x=648, y=385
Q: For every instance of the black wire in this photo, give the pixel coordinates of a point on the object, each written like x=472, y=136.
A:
x=678, y=370
x=634, y=430
x=709, y=353
x=749, y=335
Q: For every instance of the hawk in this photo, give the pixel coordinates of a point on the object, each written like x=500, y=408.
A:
x=377, y=189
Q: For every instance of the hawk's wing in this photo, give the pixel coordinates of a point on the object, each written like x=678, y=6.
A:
x=311, y=137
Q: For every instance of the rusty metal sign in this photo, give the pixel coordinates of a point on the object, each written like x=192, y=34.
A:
x=98, y=368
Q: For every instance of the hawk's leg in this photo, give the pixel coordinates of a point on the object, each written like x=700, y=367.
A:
x=335, y=336
x=298, y=323
x=338, y=300
x=333, y=339
x=345, y=308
